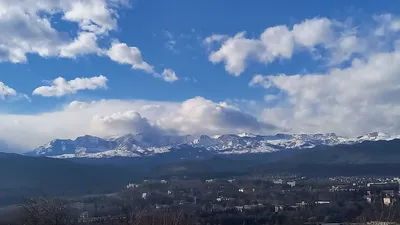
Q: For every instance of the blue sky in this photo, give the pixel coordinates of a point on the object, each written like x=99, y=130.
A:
x=117, y=59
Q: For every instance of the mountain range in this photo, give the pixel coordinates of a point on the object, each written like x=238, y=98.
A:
x=204, y=157
x=144, y=145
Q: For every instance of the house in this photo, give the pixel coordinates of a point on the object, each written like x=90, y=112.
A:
x=322, y=202
x=291, y=183
x=278, y=208
x=387, y=201
x=368, y=198
x=239, y=208
x=144, y=195
x=279, y=181
x=132, y=186
x=301, y=204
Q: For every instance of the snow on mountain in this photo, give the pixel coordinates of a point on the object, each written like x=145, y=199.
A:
x=247, y=135
x=141, y=145
x=375, y=136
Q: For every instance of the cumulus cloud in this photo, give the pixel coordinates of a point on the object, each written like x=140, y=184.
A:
x=332, y=41
x=277, y=42
x=113, y=117
x=169, y=75
x=61, y=87
x=215, y=38
x=93, y=15
x=235, y=52
x=349, y=99
x=123, y=54
x=85, y=43
x=354, y=100
x=26, y=27
x=202, y=116
x=7, y=93
x=121, y=123
x=312, y=32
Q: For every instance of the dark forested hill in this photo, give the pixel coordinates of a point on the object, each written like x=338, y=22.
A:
x=367, y=158
x=25, y=176
x=363, y=153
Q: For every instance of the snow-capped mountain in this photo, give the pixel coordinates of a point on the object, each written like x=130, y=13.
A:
x=141, y=145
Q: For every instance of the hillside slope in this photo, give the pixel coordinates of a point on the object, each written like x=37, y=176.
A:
x=26, y=176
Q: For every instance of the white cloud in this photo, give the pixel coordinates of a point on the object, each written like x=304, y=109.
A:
x=86, y=43
x=260, y=80
x=121, y=123
x=274, y=43
x=332, y=41
x=235, y=52
x=111, y=117
x=270, y=98
x=123, y=54
x=92, y=15
x=7, y=93
x=169, y=75
x=350, y=101
x=312, y=32
x=202, y=116
x=215, y=38
x=61, y=87
x=26, y=27
x=25, y=33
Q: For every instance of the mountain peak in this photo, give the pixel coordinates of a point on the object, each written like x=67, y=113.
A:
x=247, y=135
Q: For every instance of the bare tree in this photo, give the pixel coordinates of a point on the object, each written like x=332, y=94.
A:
x=47, y=211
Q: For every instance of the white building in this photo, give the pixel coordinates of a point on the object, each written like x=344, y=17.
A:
x=291, y=183
x=387, y=201
x=322, y=202
x=144, y=195
x=132, y=186
x=279, y=181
